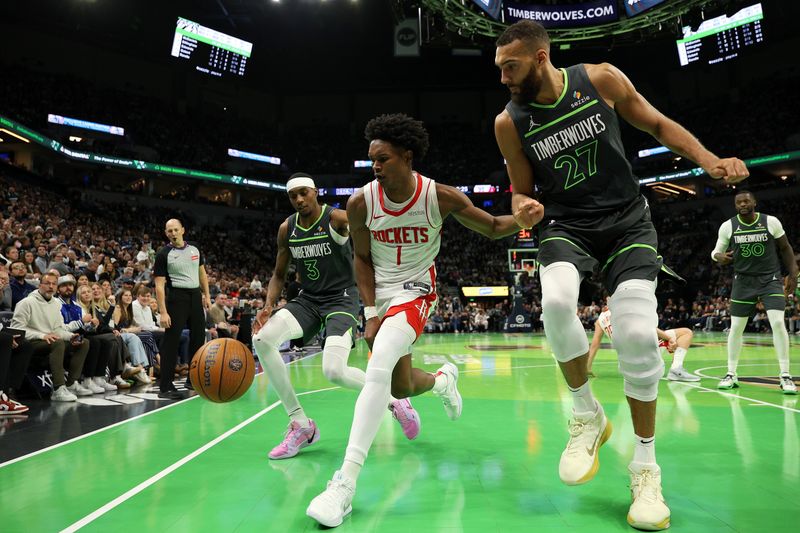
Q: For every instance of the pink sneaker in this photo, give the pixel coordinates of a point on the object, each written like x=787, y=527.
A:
x=296, y=438
x=403, y=412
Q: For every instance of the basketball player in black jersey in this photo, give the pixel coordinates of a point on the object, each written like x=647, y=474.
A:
x=316, y=239
x=560, y=131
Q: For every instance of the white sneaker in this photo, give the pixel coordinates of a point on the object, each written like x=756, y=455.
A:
x=62, y=394
x=787, y=384
x=88, y=383
x=101, y=382
x=728, y=382
x=142, y=377
x=648, y=510
x=451, y=398
x=580, y=461
x=331, y=506
x=78, y=390
x=681, y=374
x=120, y=383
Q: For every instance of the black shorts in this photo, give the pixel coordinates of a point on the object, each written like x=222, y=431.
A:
x=623, y=244
x=335, y=313
x=748, y=289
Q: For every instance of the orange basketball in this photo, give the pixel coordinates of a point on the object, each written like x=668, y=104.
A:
x=222, y=370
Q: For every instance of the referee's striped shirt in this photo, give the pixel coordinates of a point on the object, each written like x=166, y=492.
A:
x=181, y=266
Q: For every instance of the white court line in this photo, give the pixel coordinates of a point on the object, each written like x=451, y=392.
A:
x=121, y=422
x=759, y=403
x=174, y=466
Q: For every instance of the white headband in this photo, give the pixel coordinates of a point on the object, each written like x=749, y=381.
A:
x=303, y=181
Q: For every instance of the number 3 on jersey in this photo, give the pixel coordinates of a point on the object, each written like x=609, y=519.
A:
x=311, y=269
x=574, y=174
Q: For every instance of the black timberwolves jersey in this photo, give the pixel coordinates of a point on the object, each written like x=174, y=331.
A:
x=576, y=152
x=325, y=266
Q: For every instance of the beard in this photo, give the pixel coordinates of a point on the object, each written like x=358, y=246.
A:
x=528, y=89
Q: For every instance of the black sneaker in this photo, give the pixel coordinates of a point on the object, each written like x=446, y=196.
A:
x=172, y=394
x=188, y=384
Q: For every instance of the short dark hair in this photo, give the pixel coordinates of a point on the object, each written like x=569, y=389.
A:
x=745, y=191
x=399, y=130
x=532, y=33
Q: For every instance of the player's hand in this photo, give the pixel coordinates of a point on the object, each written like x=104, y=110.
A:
x=50, y=338
x=730, y=169
x=671, y=346
x=789, y=286
x=725, y=258
x=371, y=330
x=14, y=343
x=529, y=213
x=166, y=321
x=261, y=319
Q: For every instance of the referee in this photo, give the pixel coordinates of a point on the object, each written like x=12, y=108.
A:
x=180, y=276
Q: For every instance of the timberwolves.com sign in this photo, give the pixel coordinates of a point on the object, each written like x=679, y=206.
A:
x=564, y=16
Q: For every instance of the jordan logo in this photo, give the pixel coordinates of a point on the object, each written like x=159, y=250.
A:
x=533, y=124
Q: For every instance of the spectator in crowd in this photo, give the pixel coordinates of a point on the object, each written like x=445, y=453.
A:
x=42, y=258
x=19, y=287
x=101, y=347
x=6, y=298
x=219, y=317
x=123, y=318
x=11, y=255
x=58, y=264
x=31, y=269
x=255, y=284
x=39, y=314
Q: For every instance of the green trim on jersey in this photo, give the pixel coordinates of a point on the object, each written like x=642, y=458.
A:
x=562, y=117
x=629, y=247
x=743, y=223
x=781, y=295
x=551, y=106
x=567, y=240
x=297, y=219
x=340, y=313
x=309, y=238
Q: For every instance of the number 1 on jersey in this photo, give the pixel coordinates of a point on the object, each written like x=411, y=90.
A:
x=399, y=248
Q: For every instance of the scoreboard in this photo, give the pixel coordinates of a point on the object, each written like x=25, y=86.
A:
x=722, y=38
x=210, y=51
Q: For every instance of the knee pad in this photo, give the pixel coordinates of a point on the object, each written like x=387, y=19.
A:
x=393, y=341
x=565, y=335
x=634, y=321
x=334, y=356
x=281, y=327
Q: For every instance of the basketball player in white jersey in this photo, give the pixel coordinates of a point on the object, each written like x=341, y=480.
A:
x=677, y=342
x=396, y=223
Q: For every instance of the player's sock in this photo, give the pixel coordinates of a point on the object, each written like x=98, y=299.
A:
x=738, y=324
x=278, y=330
x=583, y=400
x=678, y=358
x=779, y=338
x=351, y=469
x=644, y=450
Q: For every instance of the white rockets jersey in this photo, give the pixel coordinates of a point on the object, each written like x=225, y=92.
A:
x=404, y=239
x=605, y=322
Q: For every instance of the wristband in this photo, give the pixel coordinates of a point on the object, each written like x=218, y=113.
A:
x=370, y=312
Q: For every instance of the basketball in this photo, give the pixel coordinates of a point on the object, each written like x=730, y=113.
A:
x=222, y=370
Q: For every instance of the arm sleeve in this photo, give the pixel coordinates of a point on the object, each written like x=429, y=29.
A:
x=775, y=227
x=723, y=238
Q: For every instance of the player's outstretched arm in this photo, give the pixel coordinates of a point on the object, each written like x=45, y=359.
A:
x=526, y=211
x=721, y=254
x=454, y=202
x=362, y=260
x=618, y=90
